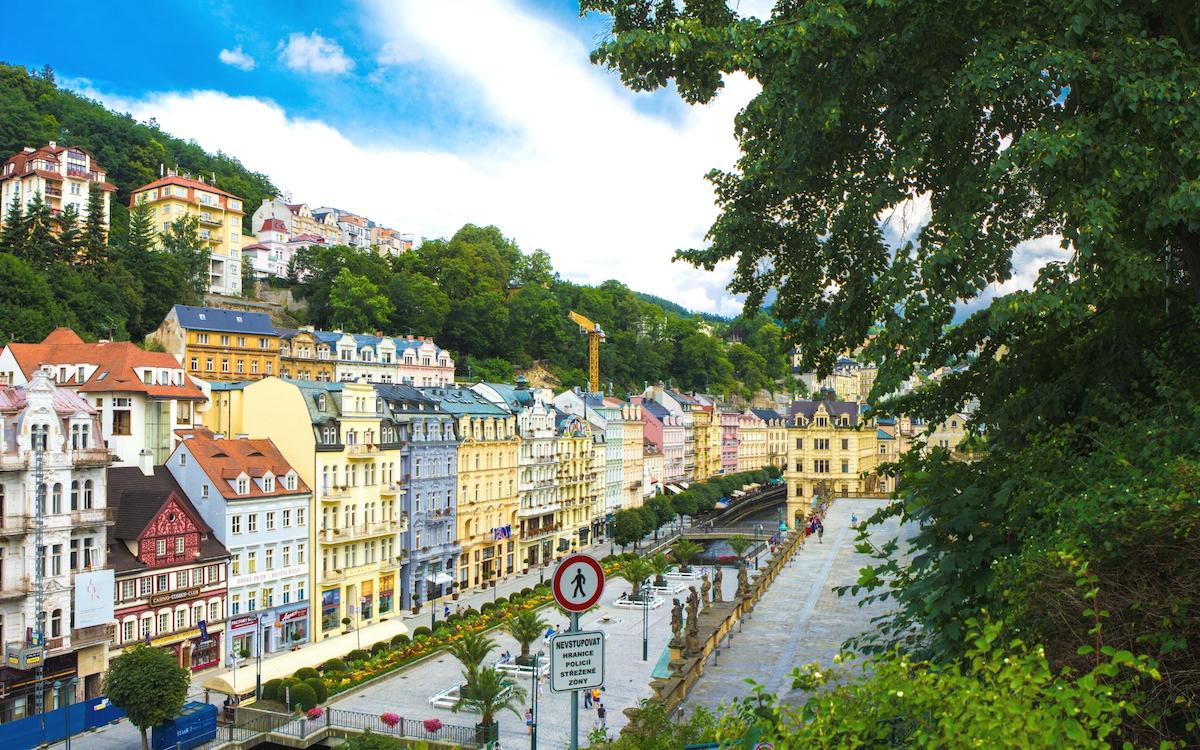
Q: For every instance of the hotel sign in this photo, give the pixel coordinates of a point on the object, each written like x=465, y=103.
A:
x=263, y=576
x=174, y=596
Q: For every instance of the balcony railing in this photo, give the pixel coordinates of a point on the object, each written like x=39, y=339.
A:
x=392, y=488
x=81, y=637
x=56, y=192
x=363, y=450
x=343, y=574
x=333, y=494
x=92, y=517
x=14, y=526
x=15, y=588
x=206, y=219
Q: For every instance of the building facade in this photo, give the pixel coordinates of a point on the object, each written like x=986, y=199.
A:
x=578, y=484
x=215, y=344
x=664, y=429
x=141, y=397
x=776, y=437
x=828, y=454
x=62, y=175
x=258, y=508
x=729, y=419
x=297, y=219
x=56, y=428
x=632, y=453
x=652, y=470
x=752, y=442
x=220, y=223
x=303, y=356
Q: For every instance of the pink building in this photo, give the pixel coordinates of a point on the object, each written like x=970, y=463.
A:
x=422, y=363
x=729, y=419
x=663, y=428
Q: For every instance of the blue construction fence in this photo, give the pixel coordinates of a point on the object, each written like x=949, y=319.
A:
x=54, y=725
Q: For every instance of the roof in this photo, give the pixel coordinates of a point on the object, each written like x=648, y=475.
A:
x=767, y=414
x=49, y=153
x=307, y=237
x=312, y=390
x=136, y=498
x=682, y=398
x=225, y=321
x=658, y=410
x=114, y=361
x=401, y=392
x=66, y=402
x=808, y=408
x=459, y=401
x=226, y=459
x=185, y=182
x=884, y=435
x=273, y=225
x=516, y=398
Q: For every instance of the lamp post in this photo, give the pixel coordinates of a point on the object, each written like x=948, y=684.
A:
x=258, y=639
x=533, y=683
x=646, y=620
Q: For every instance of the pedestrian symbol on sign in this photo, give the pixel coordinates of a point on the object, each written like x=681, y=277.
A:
x=578, y=581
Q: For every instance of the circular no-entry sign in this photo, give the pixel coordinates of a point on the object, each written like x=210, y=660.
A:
x=578, y=582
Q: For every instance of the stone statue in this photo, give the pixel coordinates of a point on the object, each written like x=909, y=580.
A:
x=705, y=591
x=693, y=607
x=743, y=581
x=676, y=623
x=717, y=585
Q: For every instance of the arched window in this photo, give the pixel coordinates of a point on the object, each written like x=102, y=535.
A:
x=56, y=498
x=39, y=435
x=87, y=494
x=56, y=623
x=75, y=495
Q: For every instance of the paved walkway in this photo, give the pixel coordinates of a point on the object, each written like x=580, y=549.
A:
x=801, y=620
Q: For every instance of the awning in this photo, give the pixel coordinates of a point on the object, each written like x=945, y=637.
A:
x=310, y=655
x=441, y=579
x=721, y=504
x=674, y=488
x=737, y=493
x=684, y=485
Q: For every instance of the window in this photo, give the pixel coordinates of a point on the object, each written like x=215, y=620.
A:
x=254, y=366
x=252, y=523
x=195, y=363
x=224, y=365
x=181, y=579
x=202, y=338
x=208, y=364
x=160, y=548
x=164, y=622
x=300, y=518
x=845, y=444
x=235, y=565
x=241, y=341
x=845, y=467
x=251, y=562
x=56, y=560
x=145, y=629
x=300, y=553
x=204, y=490
x=224, y=341
x=56, y=623
x=214, y=611
x=56, y=498
x=821, y=466
x=251, y=601
x=287, y=593
x=243, y=488
x=241, y=365
x=268, y=597
x=235, y=604
x=822, y=422
x=235, y=524
x=270, y=558
x=127, y=631
x=287, y=518
x=145, y=586
x=821, y=444
x=128, y=590
x=269, y=486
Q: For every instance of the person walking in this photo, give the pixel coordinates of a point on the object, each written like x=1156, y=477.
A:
x=601, y=716
x=529, y=719
x=820, y=533
x=587, y=698
x=596, y=696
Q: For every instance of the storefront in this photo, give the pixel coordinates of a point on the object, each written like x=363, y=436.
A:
x=331, y=607
x=387, y=593
x=291, y=628
x=243, y=638
x=194, y=649
x=366, y=600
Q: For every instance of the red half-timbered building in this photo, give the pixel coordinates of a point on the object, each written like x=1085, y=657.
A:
x=171, y=583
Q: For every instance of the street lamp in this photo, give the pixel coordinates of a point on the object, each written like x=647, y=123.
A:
x=258, y=665
x=646, y=620
x=533, y=683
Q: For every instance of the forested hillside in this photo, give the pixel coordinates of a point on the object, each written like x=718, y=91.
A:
x=494, y=306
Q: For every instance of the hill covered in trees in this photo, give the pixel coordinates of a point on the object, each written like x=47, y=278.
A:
x=478, y=294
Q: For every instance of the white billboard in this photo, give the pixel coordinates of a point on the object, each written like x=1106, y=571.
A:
x=94, y=598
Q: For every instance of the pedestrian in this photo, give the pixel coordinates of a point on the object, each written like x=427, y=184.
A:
x=446, y=612
x=853, y=521
x=529, y=719
x=541, y=689
x=596, y=696
x=601, y=715
x=587, y=698
x=820, y=533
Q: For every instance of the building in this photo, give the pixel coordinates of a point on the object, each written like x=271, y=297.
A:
x=949, y=434
x=632, y=451
x=217, y=344
x=423, y=363
x=297, y=220
x=487, y=484
x=652, y=470
x=220, y=223
x=41, y=421
x=776, y=437
x=62, y=175
x=578, y=484
x=850, y=380
x=428, y=493
x=171, y=572
x=538, y=501
x=708, y=440
x=303, y=356
x=828, y=453
x=683, y=408
x=141, y=397
x=664, y=429
x=389, y=241
x=729, y=420
x=258, y=508
x=752, y=442
x=358, y=532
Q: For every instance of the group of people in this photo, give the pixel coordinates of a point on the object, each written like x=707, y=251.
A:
x=815, y=526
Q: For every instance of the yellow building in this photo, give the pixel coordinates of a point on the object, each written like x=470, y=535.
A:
x=752, y=446
x=215, y=344
x=712, y=436
x=830, y=453
x=577, y=481
x=332, y=434
x=487, y=483
x=220, y=223
x=632, y=452
x=777, y=438
x=702, y=426
x=302, y=356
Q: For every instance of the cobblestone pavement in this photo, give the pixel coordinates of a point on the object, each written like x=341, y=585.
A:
x=801, y=619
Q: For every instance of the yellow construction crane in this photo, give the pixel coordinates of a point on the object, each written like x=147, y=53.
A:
x=595, y=335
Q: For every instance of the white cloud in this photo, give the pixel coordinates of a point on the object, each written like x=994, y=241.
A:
x=314, y=53
x=237, y=58
x=396, y=52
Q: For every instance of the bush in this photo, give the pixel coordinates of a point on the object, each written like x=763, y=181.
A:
x=357, y=654
x=501, y=601
x=306, y=673
x=451, y=619
x=470, y=612
x=379, y=648
x=303, y=697
x=527, y=591
x=318, y=687
x=270, y=689
x=333, y=665
x=422, y=632
x=486, y=607
x=400, y=640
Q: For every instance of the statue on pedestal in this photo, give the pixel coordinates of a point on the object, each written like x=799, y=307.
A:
x=705, y=591
x=717, y=585
x=676, y=624
x=743, y=582
x=692, y=639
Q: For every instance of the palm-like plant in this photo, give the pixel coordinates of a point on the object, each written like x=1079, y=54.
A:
x=471, y=650
x=684, y=551
x=635, y=570
x=525, y=626
x=659, y=565
x=491, y=693
x=739, y=545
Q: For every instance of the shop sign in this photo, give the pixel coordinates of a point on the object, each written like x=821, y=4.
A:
x=167, y=640
x=243, y=622
x=295, y=614
x=262, y=576
x=174, y=596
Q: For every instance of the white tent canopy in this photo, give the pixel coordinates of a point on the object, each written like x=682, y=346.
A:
x=284, y=665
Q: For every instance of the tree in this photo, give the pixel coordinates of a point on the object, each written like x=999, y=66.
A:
x=67, y=244
x=183, y=241
x=148, y=685
x=471, y=650
x=636, y=571
x=659, y=565
x=16, y=228
x=491, y=693
x=526, y=626
x=95, y=231
x=40, y=244
x=248, y=279
x=683, y=551
x=627, y=528
x=419, y=307
x=739, y=545
x=356, y=304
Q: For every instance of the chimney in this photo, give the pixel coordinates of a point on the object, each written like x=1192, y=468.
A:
x=242, y=436
x=146, y=462
x=53, y=144
x=28, y=150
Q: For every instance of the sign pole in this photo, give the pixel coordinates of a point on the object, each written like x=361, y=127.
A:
x=574, y=694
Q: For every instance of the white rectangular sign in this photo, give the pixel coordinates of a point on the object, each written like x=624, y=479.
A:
x=576, y=661
x=94, y=598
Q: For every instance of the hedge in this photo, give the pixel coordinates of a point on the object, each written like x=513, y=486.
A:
x=470, y=612
x=333, y=665
x=486, y=607
x=270, y=689
x=379, y=648
x=501, y=601
x=400, y=640
x=422, y=632
x=318, y=687
x=303, y=697
x=305, y=673
x=357, y=654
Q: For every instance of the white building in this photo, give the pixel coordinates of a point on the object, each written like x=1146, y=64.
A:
x=257, y=506
x=39, y=418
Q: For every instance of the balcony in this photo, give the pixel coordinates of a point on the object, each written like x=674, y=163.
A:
x=539, y=532
x=54, y=191
x=341, y=575
x=209, y=220
x=14, y=526
x=92, y=517
x=363, y=450
x=83, y=637
x=392, y=489
x=14, y=461
x=334, y=494
x=15, y=588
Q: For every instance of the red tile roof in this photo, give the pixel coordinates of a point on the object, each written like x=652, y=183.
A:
x=273, y=225
x=224, y=460
x=185, y=182
x=48, y=153
x=115, y=362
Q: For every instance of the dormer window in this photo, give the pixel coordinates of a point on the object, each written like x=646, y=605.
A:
x=321, y=402
x=289, y=481
x=39, y=437
x=269, y=483
x=243, y=486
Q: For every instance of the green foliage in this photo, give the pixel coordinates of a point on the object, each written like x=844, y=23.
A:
x=356, y=304
x=333, y=665
x=357, y=655
x=490, y=694
x=305, y=673
x=683, y=551
x=471, y=650
x=500, y=601
x=739, y=545
x=369, y=740
x=635, y=571
x=400, y=639
x=486, y=607
x=379, y=647
x=270, y=689
x=627, y=527
x=651, y=728
x=526, y=627
x=422, y=632
x=303, y=696
x=148, y=685
x=318, y=687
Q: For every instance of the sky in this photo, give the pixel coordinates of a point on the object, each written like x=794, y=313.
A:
x=424, y=115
